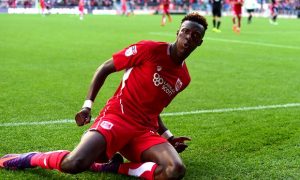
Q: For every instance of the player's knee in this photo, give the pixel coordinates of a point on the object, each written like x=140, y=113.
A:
x=74, y=165
x=175, y=171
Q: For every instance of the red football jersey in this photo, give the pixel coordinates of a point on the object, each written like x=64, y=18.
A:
x=237, y=6
x=42, y=4
x=81, y=5
x=150, y=82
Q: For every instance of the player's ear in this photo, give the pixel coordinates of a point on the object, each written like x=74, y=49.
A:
x=177, y=32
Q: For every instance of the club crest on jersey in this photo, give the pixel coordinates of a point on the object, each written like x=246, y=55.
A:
x=106, y=125
x=131, y=51
x=158, y=68
x=178, y=84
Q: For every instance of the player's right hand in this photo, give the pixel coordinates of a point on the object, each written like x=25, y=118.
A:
x=83, y=116
x=179, y=143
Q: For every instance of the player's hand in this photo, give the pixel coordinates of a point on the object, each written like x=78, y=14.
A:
x=178, y=143
x=83, y=116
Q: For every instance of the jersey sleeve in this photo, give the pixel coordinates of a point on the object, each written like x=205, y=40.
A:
x=134, y=55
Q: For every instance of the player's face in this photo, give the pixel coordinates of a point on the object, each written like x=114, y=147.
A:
x=189, y=37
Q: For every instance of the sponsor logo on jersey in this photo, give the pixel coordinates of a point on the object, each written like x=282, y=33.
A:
x=165, y=86
x=178, y=84
x=106, y=125
x=131, y=51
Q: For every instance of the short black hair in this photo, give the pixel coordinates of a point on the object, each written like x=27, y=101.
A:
x=195, y=17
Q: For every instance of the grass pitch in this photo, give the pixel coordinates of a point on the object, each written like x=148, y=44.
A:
x=47, y=64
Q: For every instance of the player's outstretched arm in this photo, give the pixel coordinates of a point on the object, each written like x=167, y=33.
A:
x=177, y=142
x=84, y=115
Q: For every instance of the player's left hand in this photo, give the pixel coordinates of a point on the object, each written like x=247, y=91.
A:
x=178, y=143
x=83, y=116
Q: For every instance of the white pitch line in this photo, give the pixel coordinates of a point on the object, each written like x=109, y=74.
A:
x=235, y=41
x=253, y=43
x=233, y=109
x=165, y=114
x=37, y=123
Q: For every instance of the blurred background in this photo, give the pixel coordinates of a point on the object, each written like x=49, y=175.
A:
x=288, y=8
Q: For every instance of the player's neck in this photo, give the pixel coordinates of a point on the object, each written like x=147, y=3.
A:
x=173, y=53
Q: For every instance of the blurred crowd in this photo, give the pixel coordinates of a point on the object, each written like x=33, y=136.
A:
x=284, y=6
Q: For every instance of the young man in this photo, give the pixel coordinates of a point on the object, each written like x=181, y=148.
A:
x=155, y=72
x=217, y=13
x=166, y=12
x=250, y=6
x=274, y=12
x=81, y=9
x=237, y=15
x=43, y=6
x=131, y=6
x=124, y=7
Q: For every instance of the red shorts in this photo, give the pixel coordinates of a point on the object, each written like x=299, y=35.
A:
x=127, y=137
x=42, y=4
x=166, y=8
x=237, y=10
x=124, y=7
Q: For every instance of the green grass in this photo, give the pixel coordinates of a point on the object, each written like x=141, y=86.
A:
x=46, y=65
